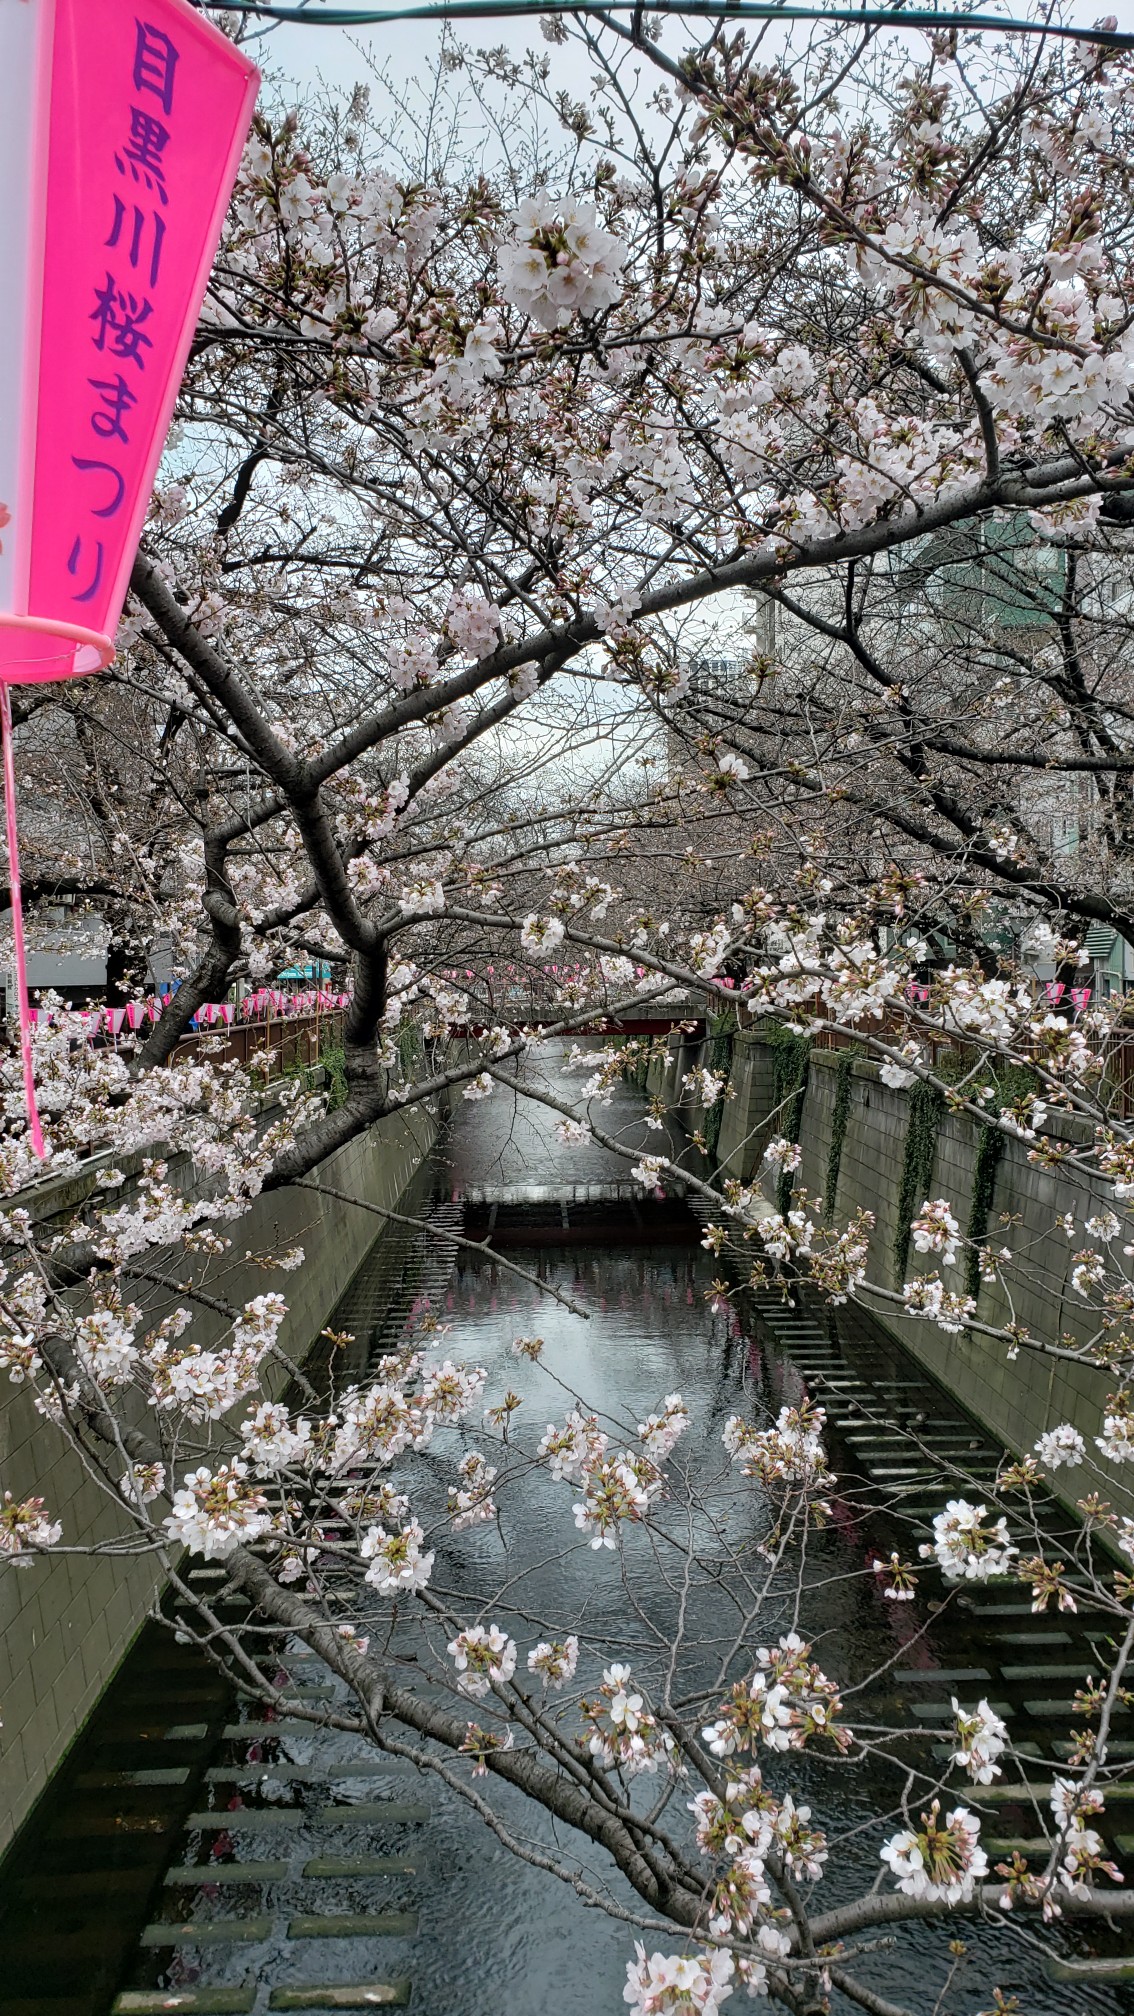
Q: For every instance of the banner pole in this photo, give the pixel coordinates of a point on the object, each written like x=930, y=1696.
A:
x=34, y=1128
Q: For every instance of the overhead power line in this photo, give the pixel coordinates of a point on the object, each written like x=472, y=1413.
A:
x=744, y=10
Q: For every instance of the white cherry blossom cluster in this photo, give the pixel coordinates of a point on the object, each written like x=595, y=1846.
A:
x=1061, y=1447
x=483, y=1655
x=981, y=1737
x=473, y=623
x=896, y=1073
x=398, y=1565
x=969, y=1546
x=25, y=1527
x=787, y=1703
x=571, y=1449
x=1082, y=1859
x=555, y=1661
x=935, y=1230
x=142, y=1483
x=540, y=935
x=471, y=1502
x=790, y=1235
x=1117, y=1439
x=449, y=1392
x=270, y=1441
x=928, y=1296
x=783, y=1155
x=791, y=1453
x=616, y=1490
x=660, y=1433
x=218, y=1510
x=706, y=1086
x=204, y=1385
x=559, y=263
x=622, y=1732
x=940, y=1861
x=671, y=1984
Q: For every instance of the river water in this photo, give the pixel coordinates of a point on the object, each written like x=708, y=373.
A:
x=473, y=1929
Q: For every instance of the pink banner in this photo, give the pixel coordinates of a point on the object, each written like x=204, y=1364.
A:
x=138, y=113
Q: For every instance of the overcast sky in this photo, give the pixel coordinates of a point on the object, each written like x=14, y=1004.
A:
x=339, y=55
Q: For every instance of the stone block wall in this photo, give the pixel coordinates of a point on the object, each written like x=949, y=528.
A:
x=1015, y=1398
x=66, y=1621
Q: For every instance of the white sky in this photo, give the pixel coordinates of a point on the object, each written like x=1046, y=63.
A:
x=338, y=56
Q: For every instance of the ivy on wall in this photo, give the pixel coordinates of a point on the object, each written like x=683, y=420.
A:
x=636, y=1060
x=926, y=1112
x=791, y=1063
x=844, y=1075
x=719, y=1062
x=1010, y=1084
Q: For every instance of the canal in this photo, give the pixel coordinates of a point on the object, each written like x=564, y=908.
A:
x=196, y=1855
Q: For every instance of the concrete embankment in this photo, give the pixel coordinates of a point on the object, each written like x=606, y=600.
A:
x=868, y=1123
x=66, y=1621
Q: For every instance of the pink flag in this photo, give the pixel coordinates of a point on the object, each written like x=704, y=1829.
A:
x=121, y=125
x=116, y=1017
x=1055, y=990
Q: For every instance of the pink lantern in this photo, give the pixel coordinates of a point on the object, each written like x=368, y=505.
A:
x=121, y=126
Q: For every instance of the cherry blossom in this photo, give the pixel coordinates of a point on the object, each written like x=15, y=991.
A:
x=558, y=263
x=943, y=1860
x=666, y=1982
x=555, y=1663
x=981, y=1736
x=483, y=1655
x=217, y=1511
x=935, y=1230
x=1061, y=1447
x=397, y=1564
x=25, y=1527
x=968, y=1546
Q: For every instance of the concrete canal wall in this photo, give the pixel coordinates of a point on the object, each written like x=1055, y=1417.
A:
x=66, y=1621
x=1016, y=1399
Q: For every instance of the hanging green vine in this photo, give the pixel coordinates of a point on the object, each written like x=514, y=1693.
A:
x=719, y=1062
x=844, y=1075
x=926, y=1112
x=1010, y=1084
x=791, y=1064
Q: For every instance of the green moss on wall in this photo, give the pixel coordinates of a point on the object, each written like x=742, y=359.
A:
x=791, y=1064
x=1009, y=1084
x=844, y=1075
x=926, y=1112
x=719, y=1061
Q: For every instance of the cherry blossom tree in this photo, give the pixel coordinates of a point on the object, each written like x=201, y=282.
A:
x=470, y=455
